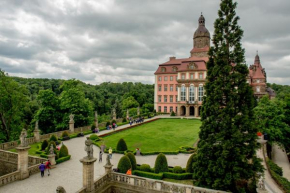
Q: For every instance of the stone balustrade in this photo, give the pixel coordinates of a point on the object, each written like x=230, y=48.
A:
x=9, y=178
x=47, y=136
x=8, y=145
x=32, y=160
x=82, y=129
x=30, y=140
x=33, y=169
x=8, y=156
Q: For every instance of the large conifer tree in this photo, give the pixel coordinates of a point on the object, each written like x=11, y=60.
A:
x=226, y=157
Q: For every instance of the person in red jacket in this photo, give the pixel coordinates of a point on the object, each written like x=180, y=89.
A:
x=47, y=166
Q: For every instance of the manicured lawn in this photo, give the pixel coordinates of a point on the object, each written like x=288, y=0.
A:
x=186, y=182
x=32, y=150
x=160, y=135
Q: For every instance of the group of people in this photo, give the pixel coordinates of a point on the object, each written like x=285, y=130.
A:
x=138, y=120
x=44, y=167
x=113, y=126
x=102, y=152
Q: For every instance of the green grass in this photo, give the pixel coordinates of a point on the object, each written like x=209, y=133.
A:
x=160, y=135
x=186, y=182
x=32, y=150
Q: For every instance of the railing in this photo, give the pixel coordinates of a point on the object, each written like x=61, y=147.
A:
x=33, y=169
x=8, y=156
x=32, y=160
x=47, y=136
x=82, y=129
x=30, y=140
x=102, y=181
x=6, y=179
x=8, y=145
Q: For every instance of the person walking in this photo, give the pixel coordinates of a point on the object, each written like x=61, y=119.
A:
x=47, y=166
x=100, y=156
x=110, y=152
x=42, y=168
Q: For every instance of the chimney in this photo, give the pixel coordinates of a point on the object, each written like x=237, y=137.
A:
x=172, y=58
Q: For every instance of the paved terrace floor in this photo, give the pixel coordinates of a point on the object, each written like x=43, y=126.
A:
x=69, y=173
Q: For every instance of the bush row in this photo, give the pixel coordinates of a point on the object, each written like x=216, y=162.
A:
x=175, y=176
x=63, y=159
x=160, y=176
x=148, y=175
x=274, y=167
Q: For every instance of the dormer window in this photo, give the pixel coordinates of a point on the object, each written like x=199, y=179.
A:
x=163, y=69
x=192, y=66
x=174, y=69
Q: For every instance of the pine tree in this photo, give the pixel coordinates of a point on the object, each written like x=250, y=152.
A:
x=226, y=157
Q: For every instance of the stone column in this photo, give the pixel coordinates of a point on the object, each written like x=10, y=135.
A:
x=23, y=156
x=71, y=123
x=51, y=156
x=36, y=132
x=114, y=114
x=196, y=111
x=128, y=113
x=88, y=167
x=96, y=119
x=187, y=111
x=138, y=111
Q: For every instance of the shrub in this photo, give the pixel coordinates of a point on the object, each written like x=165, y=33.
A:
x=124, y=164
x=114, y=121
x=108, y=123
x=124, y=120
x=44, y=145
x=132, y=158
x=183, y=176
x=63, y=159
x=275, y=168
x=172, y=113
x=63, y=152
x=189, y=168
x=177, y=170
x=148, y=175
x=145, y=168
x=121, y=146
x=65, y=135
x=53, y=138
x=93, y=126
x=161, y=164
x=281, y=181
x=94, y=137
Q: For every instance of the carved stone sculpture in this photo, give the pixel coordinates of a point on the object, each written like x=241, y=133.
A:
x=60, y=189
x=23, y=136
x=96, y=115
x=138, y=111
x=71, y=117
x=261, y=184
x=108, y=160
x=51, y=150
x=89, y=148
x=36, y=126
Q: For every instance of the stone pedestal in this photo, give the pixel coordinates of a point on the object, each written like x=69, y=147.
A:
x=108, y=168
x=51, y=158
x=72, y=126
x=36, y=135
x=88, y=174
x=23, y=161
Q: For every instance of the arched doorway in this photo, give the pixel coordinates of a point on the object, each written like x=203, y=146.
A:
x=191, y=111
x=199, y=111
x=182, y=111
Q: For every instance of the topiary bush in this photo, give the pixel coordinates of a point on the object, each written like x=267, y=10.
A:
x=132, y=158
x=93, y=126
x=189, y=168
x=124, y=164
x=177, y=170
x=108, y=123
x=145, y=168
x=161, y=164
x=44, y=145
x=114, y=121
x=121, y=146
x=124, y=120
x=63, y=152
x=53, y=138
x=172, y=113
x=65, y=135
x=94, y=137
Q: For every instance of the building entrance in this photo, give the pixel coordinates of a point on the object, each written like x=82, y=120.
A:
x=191, y=111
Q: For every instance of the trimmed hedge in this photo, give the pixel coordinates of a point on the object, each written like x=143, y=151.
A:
x=132, y=158
x=63, y=159
x=157, y=152
x=121, y=146
x=114, y=121
x=145, y=168
x=53, y=138
x=63, y=152
x=161, y=164
x=124, y=164
x=94, y=137
x=177, y=170
x=183, y=176
x=148, y=175
x=281, y=181
x=43, y=155
x=44, y=145
x=274, y=167
x=124, y=120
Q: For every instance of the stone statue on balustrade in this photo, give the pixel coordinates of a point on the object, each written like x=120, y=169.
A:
x=60, y=189
x=108, y=163
x=138, y=111
x=23, y=135
x=51, y=150
x=89, y=148
x=36, y=126
x=96, y=116
x=71, y=118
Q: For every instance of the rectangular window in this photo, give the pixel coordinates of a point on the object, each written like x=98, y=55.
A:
x=165, y=109
x=258, y=81
x=191, y=76
x=165, y=98
x=191, y=93
x=165, y=78
x=171, y=109
x=200, y=93
x=159, y=108
x=171, y=87
x=159, y=78
x=200, y=76
x=176, y=87
x=171, y=98
x=183, y=93
x=165, y=87
x=176, y=98
x=159, y=98
x=183, y=76
x=171, y=78
x=159, y=87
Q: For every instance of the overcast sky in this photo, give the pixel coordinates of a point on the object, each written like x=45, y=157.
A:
x=125, y=40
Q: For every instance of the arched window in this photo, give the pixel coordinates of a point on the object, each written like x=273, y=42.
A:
x=200, y=92
x=183, y=93
x=174, y=68
x=191, y=93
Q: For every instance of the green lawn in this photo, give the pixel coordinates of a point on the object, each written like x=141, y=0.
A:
x=159, y=135
x=32, y=150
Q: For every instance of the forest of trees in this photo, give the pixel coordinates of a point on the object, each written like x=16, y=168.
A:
x=25, y=100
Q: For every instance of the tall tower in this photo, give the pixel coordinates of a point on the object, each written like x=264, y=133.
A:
x=201, y=39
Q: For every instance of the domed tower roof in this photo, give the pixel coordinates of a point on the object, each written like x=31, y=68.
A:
x=201, y=30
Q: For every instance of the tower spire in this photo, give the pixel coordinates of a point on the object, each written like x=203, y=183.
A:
x=257, y=58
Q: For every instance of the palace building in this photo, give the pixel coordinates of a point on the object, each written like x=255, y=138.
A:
x=179, y=83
